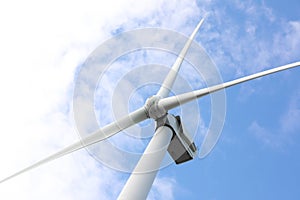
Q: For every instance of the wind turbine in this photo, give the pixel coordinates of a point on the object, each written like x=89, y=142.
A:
x=170, y=134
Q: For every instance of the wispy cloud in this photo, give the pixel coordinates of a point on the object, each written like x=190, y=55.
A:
x=235, y=36
x=286, y=128
x=163, y=188
x=289, y=122
x=268, y=137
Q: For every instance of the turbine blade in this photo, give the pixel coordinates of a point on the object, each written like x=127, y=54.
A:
x=101, y=134
x=170, y=78
x=174, y=101
x=211, y=138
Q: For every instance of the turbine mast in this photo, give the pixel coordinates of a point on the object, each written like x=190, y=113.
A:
x=140, y=182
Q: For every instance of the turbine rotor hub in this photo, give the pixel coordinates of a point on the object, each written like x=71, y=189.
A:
x=154, y=110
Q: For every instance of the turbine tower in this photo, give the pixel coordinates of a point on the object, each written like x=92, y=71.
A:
x=170, y=135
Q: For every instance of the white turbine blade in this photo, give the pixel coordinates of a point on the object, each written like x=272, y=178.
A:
x=101, y=134
x=170, y=78
x=174, y=101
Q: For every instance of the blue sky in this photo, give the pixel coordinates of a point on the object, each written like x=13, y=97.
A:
x=44, y=44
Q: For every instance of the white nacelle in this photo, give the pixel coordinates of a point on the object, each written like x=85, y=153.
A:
x=181, y=147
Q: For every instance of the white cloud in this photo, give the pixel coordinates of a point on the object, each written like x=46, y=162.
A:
x=42, y=44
